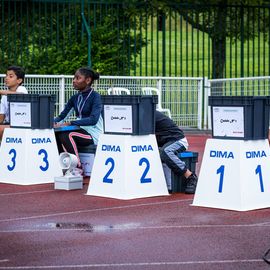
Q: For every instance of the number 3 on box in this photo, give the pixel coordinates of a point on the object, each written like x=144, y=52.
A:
x=13, y=153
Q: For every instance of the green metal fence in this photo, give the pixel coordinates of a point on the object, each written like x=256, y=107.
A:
x=214, y=41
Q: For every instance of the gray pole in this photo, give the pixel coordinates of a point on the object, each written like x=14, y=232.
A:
x=88, y=30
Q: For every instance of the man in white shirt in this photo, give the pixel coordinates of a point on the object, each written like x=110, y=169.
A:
x=13, y=80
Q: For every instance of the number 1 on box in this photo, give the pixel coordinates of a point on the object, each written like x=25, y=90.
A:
x=259, y=171
x=220, y=171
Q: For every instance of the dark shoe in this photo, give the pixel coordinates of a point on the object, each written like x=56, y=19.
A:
x=191, y=184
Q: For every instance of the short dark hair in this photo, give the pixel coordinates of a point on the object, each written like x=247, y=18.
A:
x=18, y=71
x=89, y=73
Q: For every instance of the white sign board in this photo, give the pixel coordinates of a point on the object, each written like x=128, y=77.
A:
x=127, y=167
x=20, y=114
x=118, y=119
x=228, y=121
x=234, y=175
x=29, y=156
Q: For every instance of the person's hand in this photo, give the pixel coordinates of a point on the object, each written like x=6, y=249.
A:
x=3, y=92
x=61, y=124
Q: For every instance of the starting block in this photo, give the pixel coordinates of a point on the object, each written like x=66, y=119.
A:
x=127, y=167
x=234, y=175
x=28, y=156
x=87, y=156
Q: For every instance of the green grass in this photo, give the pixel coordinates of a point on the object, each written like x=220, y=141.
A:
x=191, y=56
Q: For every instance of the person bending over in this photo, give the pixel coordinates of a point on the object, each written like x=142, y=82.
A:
x=172, y=141
x=87, y=106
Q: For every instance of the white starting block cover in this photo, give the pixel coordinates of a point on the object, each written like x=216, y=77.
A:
x=29, y=156
x=127, y=167
x=234, y=175
x=87, y=160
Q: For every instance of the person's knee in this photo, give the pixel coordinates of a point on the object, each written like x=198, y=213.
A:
x=167, y=156
x=2, y=128
x=163, y=155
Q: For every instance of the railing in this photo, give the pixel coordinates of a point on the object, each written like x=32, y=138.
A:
x=187, y=98
x=250, y=86
x=183, y=96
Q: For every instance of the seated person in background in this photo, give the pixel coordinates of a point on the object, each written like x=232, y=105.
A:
x=87, y=106
x=13, y=80
x=171, y=141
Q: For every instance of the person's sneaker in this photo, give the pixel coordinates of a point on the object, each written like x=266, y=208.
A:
x=191, y=184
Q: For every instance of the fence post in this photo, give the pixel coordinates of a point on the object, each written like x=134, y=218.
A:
x=200, y=103
x=61, y=93
x=85, y=24
x=207, y=92
x=159, y=85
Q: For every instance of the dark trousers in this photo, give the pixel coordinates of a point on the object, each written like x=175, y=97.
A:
x=69, y=141
x=169, y=155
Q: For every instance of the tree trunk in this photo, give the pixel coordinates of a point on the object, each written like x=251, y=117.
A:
x=218, y=35
x=218, y=56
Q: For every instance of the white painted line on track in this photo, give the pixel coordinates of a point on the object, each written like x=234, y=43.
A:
x=139, y=264
x=206, y=226
x=26, y=192
x=117, y=228
x=4, y=260
x=93, y=210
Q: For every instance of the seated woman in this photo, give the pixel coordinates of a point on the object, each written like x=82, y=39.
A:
x=87, y=106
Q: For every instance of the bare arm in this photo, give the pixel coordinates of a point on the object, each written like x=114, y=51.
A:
x=7, y=92
x=2, y=118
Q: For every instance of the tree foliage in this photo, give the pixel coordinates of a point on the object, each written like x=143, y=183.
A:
x=47, y=37
x=60, y=47
x=219, y=19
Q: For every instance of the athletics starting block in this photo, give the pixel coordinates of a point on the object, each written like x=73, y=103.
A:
x=29, y=156
x=127, y=167
x=234, y=175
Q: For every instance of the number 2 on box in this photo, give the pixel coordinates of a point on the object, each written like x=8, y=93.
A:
x=221, y=169
x=144, y=179
x=106, y=178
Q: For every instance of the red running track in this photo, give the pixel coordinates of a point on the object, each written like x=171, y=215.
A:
x=43, y=228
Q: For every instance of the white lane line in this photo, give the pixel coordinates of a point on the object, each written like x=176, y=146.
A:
x=4, y=260
x=25, y=192
x=118, y=227
x=94, y=210
x=145, y=264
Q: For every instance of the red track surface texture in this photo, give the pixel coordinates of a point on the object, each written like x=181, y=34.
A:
x=43, y=228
